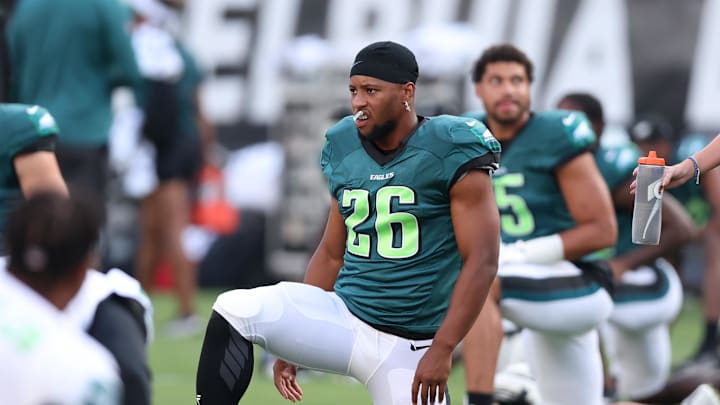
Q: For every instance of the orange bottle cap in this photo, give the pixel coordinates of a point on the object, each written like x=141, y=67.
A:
x=651, y=159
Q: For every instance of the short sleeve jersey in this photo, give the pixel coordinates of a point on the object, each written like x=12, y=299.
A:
x=401, y=259
x=23, y=128
x=616, y=164
x=528, y=195
x=45, y=358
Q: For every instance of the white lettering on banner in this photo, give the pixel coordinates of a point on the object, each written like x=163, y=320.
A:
x=489, y=18
x=703, y=108
x=434, y=12
x=216, y=41
x=277, y=23
x=596, y=58
x=593, y=55
x=533, y=33
x=347, y=24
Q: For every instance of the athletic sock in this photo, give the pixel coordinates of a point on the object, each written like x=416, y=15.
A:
x=226, y=364
x=479, y=398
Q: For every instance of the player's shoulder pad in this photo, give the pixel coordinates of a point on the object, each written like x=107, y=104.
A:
x=43, y=122
x=571, y=125
x=455, y=130
x=342, y=137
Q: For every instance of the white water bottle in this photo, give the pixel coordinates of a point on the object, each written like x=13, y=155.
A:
x=647, y=212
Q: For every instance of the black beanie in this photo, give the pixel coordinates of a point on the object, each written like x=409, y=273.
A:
x=386, y=61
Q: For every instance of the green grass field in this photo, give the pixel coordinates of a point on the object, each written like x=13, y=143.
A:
x=173, y=363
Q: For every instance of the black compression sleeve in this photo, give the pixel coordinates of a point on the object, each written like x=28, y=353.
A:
x=115, y=327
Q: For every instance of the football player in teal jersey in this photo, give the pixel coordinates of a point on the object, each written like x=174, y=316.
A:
x=407, y=258
x=27, y=143
x=648, y=293
x=702, y=200
x=555, y=209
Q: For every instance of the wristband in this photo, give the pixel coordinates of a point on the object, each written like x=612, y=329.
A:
x=542, y=250
x=697, y=168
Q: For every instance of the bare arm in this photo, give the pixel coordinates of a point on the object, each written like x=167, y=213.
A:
x=477, y=228
x=708, y=157
x=323, y=268
x=476, y=225
x=39, y=171
x=590, y=205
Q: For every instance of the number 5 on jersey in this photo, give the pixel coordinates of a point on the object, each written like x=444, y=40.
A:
x=397, y=233
x=515, y=216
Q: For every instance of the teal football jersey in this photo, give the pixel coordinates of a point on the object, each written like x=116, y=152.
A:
x=22, y=128
x=690, y=194
x=401, y=258
x=616, y=164
x=527, y=193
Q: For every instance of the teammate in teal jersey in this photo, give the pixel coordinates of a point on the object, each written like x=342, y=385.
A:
x=27, y=143
x=703, y=202
x=405, y=263
x=648, y=294
x=554, y=209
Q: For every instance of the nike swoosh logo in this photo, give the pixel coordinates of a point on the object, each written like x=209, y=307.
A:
x=416, y=348
x=356, y=63
x=471, y=123
x=569, y=119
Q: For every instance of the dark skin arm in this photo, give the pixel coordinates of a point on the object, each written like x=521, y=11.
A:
x=325, y=263
x=476, y=225
x=590, y=205
x=322, y=271
x=677, y=228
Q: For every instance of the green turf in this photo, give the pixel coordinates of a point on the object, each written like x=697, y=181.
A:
x=173, y=363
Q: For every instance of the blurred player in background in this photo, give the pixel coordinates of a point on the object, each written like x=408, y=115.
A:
x=703, y=203
x=405, y=263
x=114, y=318
x=647, y=292
x=46, y=359
x=173, y=119
x=96, y=56
x=554, y=209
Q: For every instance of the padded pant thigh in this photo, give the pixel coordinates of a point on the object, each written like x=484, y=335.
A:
x=557, y=298
x=640, y=360
x=647, y=297
x=563, y=316
x=300, y=323
x=391, y=382
x=568, y=368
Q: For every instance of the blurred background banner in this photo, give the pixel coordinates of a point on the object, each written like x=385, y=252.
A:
x=636, y=55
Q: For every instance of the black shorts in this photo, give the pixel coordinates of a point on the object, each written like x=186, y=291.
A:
x=179, y=158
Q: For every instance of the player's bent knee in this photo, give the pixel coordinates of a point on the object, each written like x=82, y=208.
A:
x=238, y=304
